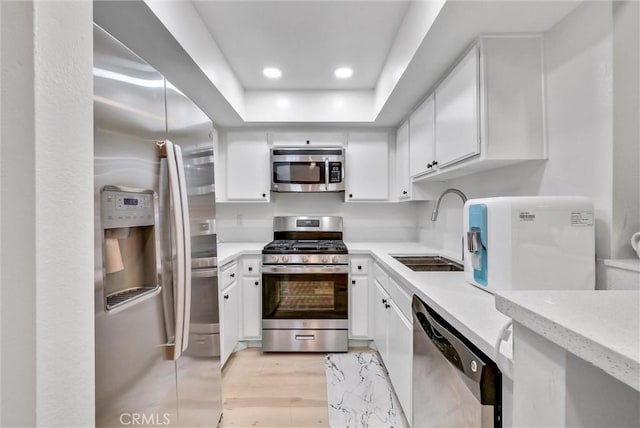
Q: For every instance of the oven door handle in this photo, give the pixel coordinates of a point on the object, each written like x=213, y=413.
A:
x=284, y=269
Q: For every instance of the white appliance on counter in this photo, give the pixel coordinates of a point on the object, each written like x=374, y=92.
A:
x=530, y=243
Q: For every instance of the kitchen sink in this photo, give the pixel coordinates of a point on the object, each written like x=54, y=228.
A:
x=429, y=263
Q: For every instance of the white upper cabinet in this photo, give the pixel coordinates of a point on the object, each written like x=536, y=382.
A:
x=403, y=182
x=457, y=127
x=327, y=139
x=247, y=167
x=488, y=111
x=367, y=167
x=422, y=138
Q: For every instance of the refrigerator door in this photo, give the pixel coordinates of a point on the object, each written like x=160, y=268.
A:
x=198, y=368
x=135, y=384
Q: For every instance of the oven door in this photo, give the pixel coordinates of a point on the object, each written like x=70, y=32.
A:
x=304, y=292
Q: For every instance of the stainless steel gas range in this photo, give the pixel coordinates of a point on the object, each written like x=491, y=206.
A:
x=304, y=286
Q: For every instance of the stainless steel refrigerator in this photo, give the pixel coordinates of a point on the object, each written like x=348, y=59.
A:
x=156, y=290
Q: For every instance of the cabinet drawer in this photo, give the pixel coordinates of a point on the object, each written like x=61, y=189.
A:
x=400, y=297
x=380, y=275
x=251, y=267
x=360, y=265
x=228, y=275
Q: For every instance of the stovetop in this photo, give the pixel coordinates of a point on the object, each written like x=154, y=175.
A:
x=308, y=246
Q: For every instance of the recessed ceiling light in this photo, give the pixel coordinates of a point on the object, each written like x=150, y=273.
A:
x=272, y=72
x=343, y=72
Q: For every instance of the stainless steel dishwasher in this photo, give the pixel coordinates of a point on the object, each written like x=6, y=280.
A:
x=454, y=383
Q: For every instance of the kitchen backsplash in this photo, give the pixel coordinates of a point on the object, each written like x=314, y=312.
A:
x=244, y=222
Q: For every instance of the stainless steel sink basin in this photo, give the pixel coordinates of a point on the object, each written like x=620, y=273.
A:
x=429, y=263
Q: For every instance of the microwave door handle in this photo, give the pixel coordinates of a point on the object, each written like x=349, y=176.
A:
x=326, y=174
x=186, y=247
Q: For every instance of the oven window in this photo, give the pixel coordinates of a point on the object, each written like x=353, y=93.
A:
x=298, y=172
x=306, y=296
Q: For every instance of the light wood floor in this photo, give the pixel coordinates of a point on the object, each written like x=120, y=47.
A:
x=274, y=390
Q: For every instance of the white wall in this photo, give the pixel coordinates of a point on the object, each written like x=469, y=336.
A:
x=580, y=105
x=361, y=221
x=46, y=281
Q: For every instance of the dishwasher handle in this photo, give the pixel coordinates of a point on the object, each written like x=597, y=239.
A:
x=480, y=374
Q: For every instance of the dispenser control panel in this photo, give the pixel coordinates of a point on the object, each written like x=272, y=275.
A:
x=127, y=209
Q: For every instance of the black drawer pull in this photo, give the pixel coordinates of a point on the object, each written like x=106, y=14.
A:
x=256, y=283
x=353, y=281
x=226, y=296
x=233, y=275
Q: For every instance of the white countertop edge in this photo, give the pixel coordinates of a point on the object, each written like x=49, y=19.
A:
x=619, y=366
x=228, y=251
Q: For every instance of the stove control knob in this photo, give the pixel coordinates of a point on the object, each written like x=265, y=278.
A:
x=285, y=259
x=305, y=259
x=325, y=259
x=335, y=259
x=274, y=259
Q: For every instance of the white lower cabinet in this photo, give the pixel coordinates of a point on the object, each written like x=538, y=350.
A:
x=359, y=297
x=381, y=321
x=251, y=306
x=399, y=359
x=229, y=310
x=393, y=337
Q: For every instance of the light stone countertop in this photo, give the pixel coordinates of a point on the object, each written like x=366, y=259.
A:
x=601, y=327
x=467, y=308
x=227, y=251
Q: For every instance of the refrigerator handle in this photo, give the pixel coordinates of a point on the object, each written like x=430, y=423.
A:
x=173, y=154
x=186, y=247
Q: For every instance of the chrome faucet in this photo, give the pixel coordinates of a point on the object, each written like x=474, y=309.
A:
x=434, y=214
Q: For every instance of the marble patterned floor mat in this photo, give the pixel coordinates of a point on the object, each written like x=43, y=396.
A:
x=359, y=393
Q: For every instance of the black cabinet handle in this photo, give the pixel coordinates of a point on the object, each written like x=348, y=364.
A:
x=384, y=301
x=387, y=306
x=429, y=165
x=264, y=195
x=359, y=267
x=404, y=192
x=256, y=283
x=435, y=163
x=226, y=296
x=351, y=195
x=353, y=281
x=250, y=268
x=233, y=275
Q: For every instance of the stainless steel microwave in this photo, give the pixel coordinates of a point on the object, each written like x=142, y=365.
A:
x=307, y=169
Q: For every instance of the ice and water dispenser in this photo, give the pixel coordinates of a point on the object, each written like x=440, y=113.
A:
x=129, y=236
x=530, y=243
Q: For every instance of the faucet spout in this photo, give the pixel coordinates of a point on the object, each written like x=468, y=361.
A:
x=436, y=208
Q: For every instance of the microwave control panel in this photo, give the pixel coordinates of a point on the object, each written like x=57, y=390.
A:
x=335, y=172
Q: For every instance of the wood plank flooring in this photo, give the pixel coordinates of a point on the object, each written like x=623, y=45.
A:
x=274, y=390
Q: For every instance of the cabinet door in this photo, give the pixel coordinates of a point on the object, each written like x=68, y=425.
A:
x=367, y=167
x=381, y=320
x=422, y=138
x=457, y=112
x=229, y=328
x=359, y=307
x=399, y=362
x=403, y=182
x=251, y=308
x=248, y=167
